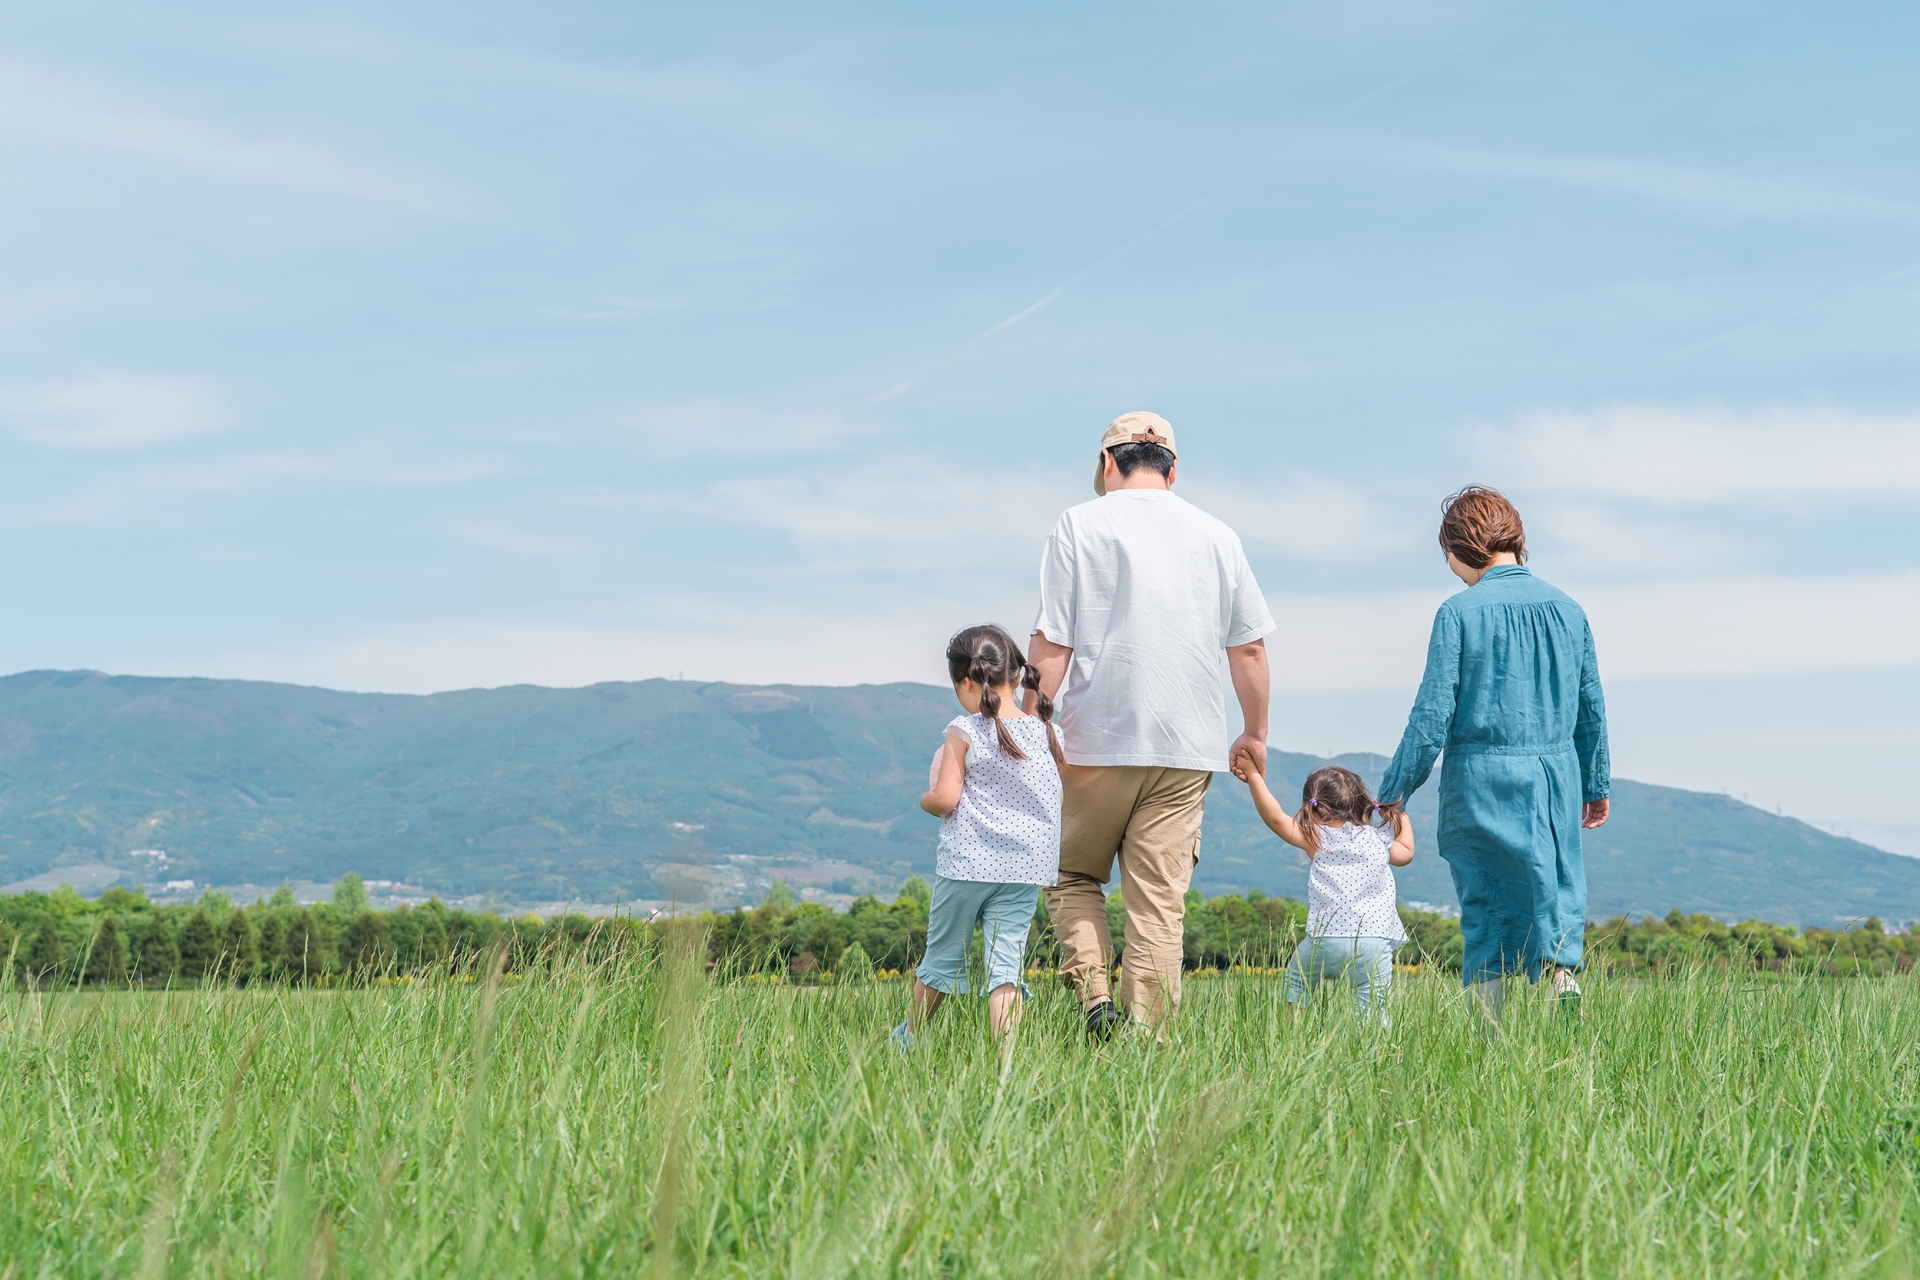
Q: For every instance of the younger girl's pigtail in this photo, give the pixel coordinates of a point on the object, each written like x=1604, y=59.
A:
x=1308, y=820
x=1386, y=812
x=1042, y=704
x=990, y=707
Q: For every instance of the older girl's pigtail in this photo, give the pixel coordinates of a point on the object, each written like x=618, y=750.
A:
x=988, y=656
x=1042, y=704
x=982, y=673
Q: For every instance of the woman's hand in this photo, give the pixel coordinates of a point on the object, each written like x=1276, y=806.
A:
x=1595, y=814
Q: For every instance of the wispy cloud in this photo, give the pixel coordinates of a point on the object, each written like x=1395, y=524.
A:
x=700, y=644
x=908, y=513
x=722, y=428
x=1706, y=453
x=1682, y=629
x=1755, y=625
x=497, y=535
x=1710, y=193
x=1307, y=517
x=182, y=491
x=113, y=411
x=40, y=103
x=1608, y=541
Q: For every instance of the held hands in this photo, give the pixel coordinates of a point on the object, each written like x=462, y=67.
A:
x=1254, y=750
x=1244, y=763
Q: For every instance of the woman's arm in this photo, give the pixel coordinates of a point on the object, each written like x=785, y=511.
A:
x=1590, y=741
x=1432, y=716
x=945, y=796
x=1402, y=852
x=1278, y=820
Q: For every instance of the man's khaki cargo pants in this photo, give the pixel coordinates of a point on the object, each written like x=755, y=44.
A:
x=1150, y=819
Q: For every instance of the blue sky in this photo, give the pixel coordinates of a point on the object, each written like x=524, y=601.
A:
x=410, y=347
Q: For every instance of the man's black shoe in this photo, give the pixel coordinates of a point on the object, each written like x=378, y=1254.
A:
x=1104, y=1021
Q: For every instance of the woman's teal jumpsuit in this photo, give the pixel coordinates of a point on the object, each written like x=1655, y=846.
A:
x=1512, y=696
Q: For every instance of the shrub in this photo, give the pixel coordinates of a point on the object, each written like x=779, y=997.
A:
x=46, y=953
x=241, y=947
x=159, y=954
x=199, y=946
x=107, y=957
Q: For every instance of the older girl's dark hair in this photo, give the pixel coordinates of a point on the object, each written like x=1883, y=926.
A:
x=1331, y=796
x=988, y=656
x=1477, y=524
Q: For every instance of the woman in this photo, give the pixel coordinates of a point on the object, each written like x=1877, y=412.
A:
x=1512, y=696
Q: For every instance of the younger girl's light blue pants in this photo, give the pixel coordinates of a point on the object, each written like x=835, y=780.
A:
x=1366, y=963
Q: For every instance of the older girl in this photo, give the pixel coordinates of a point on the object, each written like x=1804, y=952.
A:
x=996, y=790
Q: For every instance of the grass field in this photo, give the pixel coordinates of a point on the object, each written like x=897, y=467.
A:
x=1710, y=1125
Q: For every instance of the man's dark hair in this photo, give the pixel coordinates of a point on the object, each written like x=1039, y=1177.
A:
x=1128, y=457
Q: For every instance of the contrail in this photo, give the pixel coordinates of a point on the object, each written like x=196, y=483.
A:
x=1048, y=299
x=1018, y=316
x=1391, y=85
x=1038, y=304
x=1103, y=263
x=1801, y=310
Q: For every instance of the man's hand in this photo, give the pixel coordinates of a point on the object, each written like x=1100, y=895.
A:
x=1595, y=814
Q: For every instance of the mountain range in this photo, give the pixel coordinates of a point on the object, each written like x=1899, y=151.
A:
x=661, y=790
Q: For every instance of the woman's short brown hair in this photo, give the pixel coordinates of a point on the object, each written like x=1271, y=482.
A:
x=1477, y=524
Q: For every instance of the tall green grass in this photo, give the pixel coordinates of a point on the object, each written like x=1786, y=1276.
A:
x=1706, y=1125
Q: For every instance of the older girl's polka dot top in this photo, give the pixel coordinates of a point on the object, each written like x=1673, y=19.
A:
x=1006, y=829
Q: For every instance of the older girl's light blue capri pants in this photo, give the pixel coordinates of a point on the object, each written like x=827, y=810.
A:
x=1004, y=913
x=1366, y=963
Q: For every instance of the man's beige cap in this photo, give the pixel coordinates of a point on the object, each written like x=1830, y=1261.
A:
x=1131, y=428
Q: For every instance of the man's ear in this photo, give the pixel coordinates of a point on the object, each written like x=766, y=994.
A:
x=1173, y=470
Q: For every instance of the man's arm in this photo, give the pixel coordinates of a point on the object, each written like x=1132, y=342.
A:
x=1051, y=661
x=1252, y=682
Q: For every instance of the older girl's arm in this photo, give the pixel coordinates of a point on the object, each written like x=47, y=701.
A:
x=945, y=796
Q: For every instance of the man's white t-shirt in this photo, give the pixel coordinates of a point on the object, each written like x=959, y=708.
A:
x=1147, y=590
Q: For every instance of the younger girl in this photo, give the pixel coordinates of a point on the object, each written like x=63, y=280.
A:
x=1352, y=926
x=996, y=789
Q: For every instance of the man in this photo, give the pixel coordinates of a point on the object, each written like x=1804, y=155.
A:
x=1139, y=594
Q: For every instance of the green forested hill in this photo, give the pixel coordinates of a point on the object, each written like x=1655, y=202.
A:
x=660, y=789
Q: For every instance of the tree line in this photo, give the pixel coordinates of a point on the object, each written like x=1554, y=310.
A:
x=121, y=938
